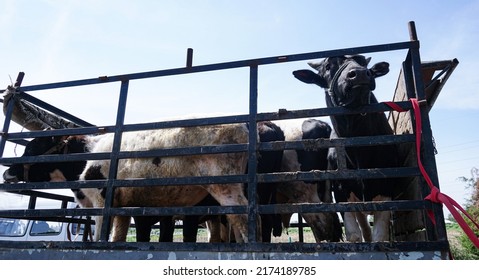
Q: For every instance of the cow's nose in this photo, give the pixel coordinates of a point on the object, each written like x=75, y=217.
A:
x=354, y=74
x=9, y=178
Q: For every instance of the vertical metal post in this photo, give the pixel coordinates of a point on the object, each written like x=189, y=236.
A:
x=427, y=152
x=110, y=189
x=6, y=124
x=19, y=80
x=32, y=202
x=8, y=115
x=189, y=58
x=300, y=228
x=252, y=159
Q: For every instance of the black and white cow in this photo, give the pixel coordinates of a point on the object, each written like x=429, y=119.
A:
x=324, y=225
x=349, y=83
x=318, y=159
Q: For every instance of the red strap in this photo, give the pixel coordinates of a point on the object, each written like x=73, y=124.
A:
x=436, y=196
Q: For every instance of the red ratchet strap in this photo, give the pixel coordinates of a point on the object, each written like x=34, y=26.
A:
x=435, y=195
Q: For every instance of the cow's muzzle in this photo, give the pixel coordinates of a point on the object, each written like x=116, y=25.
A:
x=8, y=178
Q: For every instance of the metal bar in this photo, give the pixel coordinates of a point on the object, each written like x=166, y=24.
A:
x=309, y=145
x=170, y=152
x=315, y=175
x=252, y=159
x=223, y=66
x=300, y=228
x=428, y=158
x=32, y=202
x=332, y=248
x=46, y=195
x=8, y=114
x=209, y=121
x=189, y=58
x=283, y=114
x=6, y=125
x=221, y=210
x=110, y=188
x=19, y=80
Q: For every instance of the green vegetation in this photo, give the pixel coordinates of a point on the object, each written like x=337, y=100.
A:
x=461, y=247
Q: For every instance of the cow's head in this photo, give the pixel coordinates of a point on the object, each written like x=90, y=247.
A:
x=347, y=79
x=48, y=171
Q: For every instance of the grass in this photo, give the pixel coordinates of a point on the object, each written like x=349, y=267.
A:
x=456, y=237
x=288, y=236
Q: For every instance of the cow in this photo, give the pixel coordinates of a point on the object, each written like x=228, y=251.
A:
x=268, y=162
x=324, y=225
x=180, y=166
x=70, y=171
x=316, y=159
x=349, y=83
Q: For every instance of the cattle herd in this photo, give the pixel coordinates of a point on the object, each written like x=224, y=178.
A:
x=348, y=83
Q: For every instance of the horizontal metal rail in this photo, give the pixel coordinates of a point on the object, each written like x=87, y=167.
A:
x=224, y=66
x=281, y=115
x=229, y=148
x=315, y=175
x=398, y=205
x=331, y=247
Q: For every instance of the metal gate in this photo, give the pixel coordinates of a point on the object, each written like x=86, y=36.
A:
x=432, y=245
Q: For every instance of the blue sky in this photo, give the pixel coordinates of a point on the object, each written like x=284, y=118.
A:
x=67, y=40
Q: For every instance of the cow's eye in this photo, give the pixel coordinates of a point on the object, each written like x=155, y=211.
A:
x=328, y=67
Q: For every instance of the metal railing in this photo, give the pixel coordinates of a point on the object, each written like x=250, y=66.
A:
x=437, y=239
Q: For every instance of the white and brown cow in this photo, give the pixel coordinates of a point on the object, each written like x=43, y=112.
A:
x=178, y=166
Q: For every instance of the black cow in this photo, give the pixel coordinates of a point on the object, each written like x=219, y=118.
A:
x=317, y=159
x=349, y=83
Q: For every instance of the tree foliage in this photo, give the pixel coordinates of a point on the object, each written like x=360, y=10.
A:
x=472, y=207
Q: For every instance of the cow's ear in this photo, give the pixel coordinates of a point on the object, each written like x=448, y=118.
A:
x=309, y=77
x=380, y=69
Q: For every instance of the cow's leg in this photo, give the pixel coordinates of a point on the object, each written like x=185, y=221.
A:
x=214, y=229
x=190, y=228
x=119, y=228
x=98, y=224
x=96, y=202
x=381, y=221
x=232, y=195
x=143, y=226
x=167, y=229
x=362, y=219
x=325, y=226
x=351, y=226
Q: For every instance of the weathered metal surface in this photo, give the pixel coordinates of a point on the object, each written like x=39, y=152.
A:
x=80, y=254
x=410, y=225
x=218, y=251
